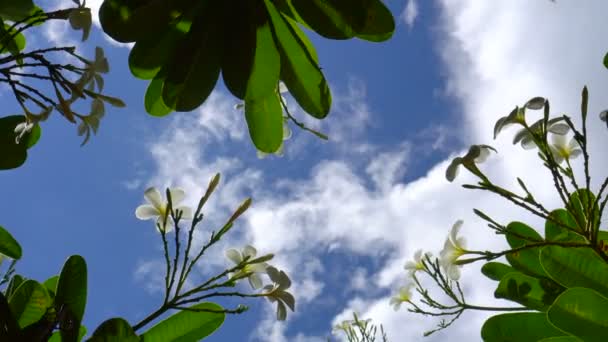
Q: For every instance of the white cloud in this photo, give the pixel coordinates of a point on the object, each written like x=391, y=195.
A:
x=410, y=13
x=497, y=54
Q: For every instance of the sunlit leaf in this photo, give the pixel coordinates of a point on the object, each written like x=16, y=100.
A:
x=8, y=245
x=531, y=292
x=496, y=270
x=114, y=329
x=526, y=260
x=519, y=327
x=299, y=69
x=29, y=302
x=265, y=122
x=575, y=267
x=581, y=312
x=187, y=325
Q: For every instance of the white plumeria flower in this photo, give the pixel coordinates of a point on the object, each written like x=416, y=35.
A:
x=403, y=295
x=452, y=250
x=476, y=154
x=416, y=265
x=22, y=129
x=157, y=207
x=254, y=269
x=563, y=150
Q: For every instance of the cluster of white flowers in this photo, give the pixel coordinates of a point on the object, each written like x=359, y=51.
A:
x=249, y=268
x=453, y=248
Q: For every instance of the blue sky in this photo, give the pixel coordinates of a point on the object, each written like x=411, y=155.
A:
x=341, y=216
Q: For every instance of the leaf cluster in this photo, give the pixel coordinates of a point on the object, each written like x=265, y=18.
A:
x=182, y=47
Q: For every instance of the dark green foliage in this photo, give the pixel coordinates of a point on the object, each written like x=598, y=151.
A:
x=183, y=46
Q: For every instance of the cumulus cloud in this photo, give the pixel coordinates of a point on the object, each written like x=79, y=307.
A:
x=497, y=55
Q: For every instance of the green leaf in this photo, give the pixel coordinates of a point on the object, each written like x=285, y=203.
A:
x=337, y=19
x=575, y=267
x=299, y=68
x=114, y=329
x=149, y=55
x=379, y=24
x=56, y=336
x=13, y=285
x=15, y=10
x=556, y=232
x=264, y=77
x=324, y=18
x=8, y=245
x=240, y=47
x=561, y=339
x=519, y=234
x=581, y=312
x=496, y=270
x=128, y=21
x=153, y=101
x=531, y=292
x=606, y=60
x=51, y=285
x=265, y=122
x=29, y=302
x=195, y=66
x=519, y=327
x=14, y=45
x=187, y=325
x=581, y=203
x=71, y=293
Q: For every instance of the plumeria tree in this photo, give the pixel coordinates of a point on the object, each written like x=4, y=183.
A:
x=557, y=280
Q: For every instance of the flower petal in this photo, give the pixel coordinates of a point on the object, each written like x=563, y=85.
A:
x=255, y=281
x=418, y=255
x=452, y=171
x=186, y=212
x=177, y=195
x=146, y=212
x=575, y=153
x=152, y=195
x=258, y=268
x=234, y=255
x=454, y=272
x=455, y=230
x=410, y=266
x=249, y=251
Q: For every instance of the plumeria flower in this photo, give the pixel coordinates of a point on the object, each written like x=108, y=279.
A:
x=403, y=295
x=526, y=138
x=416, y=265
x=453, y=248
x=157, y=208
x=343, y=326
x=517, y=116
x=251, y=271
x=277, y=292
x=563, y=150
x=477, y=154
x=22, y=129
